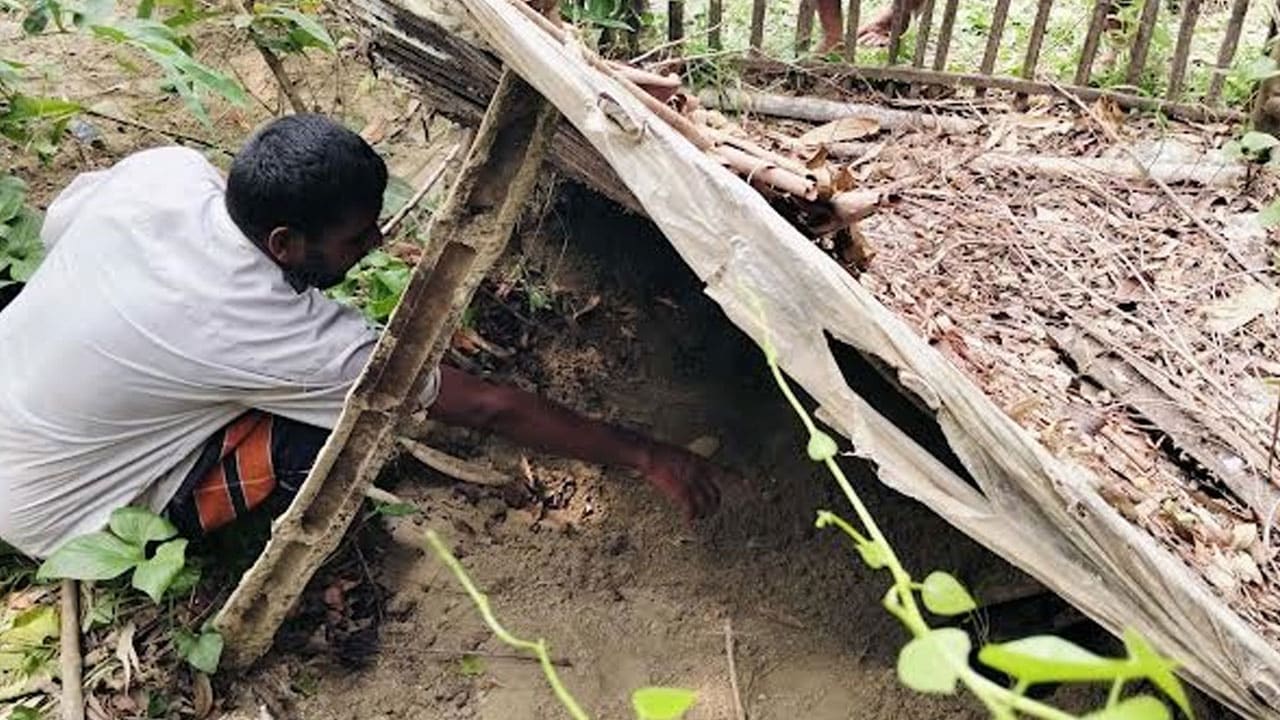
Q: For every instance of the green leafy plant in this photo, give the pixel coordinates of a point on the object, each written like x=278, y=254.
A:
x=1257, y=150
x=29, y=121
x=374, y=285
x=651, y=703
x=122, y=547
x=202, y=652
x=936, y=660
x=20, y=247
x=284, y=28
x=170, y=48
x=28, y=648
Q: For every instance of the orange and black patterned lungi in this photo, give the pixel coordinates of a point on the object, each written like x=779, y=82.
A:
x=258, y=457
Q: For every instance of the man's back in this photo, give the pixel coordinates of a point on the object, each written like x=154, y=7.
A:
x=152, y=323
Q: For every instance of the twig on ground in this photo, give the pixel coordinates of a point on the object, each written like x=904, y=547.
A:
x=458, y=654
x=171, y=134
x=1163, y=186
x=71, y=660
x=456, y=468
x=1275, y=435
x=429, y=183
x=377, y=494
x=739, y=713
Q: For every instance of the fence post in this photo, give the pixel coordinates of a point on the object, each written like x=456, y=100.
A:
x=675, y=22
x=804, y=25
x=1142, y=41
x=715, y=17
x=1097, y=23
x=852, y=18
x=757, y=23
x=1227, y=50
x=1182, y=51
x=944, y=35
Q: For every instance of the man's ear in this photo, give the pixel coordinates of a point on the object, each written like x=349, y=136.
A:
x=285, y=246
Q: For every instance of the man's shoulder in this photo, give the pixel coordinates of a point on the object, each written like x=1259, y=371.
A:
x=165, y=162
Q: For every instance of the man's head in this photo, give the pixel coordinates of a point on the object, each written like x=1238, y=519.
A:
x=307, y=191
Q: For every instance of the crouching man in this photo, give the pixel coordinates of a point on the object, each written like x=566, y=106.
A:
x=175, y=350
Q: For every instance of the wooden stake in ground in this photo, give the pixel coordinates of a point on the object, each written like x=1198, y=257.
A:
x=71, y=660
x=465, y=238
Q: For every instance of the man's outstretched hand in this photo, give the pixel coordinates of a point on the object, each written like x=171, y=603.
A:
x=692, y=483
x=688, y=480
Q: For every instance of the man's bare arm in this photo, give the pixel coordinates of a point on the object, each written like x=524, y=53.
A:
x=536, y=422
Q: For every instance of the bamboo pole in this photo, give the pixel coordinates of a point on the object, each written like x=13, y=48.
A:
x=675, y=22
x=1182, y=51
x=1227, y=51
x=923, y=27
x=758, y=8
x=944, y=35
x=1097, y=22
x=1142, y=41
x=898, y=26
x=852, y=18
x=715, y=17
x=992, y=51
x=1036, y=40
x=804, y=26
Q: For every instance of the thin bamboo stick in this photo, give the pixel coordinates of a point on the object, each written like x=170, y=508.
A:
x=1036, y=41
x=1227, y=51
x=922, y=33
x=757, y=23
x=1182, y=51
x=851, y=30
x=1142, y=41
x=675, y=20
x=944, y=35
x=1097, y=23
x=998, y=19
x=804, y=26
x=896, y=28
x=715, y=16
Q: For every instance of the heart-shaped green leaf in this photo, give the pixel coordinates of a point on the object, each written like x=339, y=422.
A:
x=1047, y=658
x=662, y=703
x=96, y=556
x=202, y=652
x=944, y=595
x=140, y=526
x=932, y=662
x=154, y=576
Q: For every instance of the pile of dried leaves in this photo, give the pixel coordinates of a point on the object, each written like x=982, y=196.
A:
x=1133, y=330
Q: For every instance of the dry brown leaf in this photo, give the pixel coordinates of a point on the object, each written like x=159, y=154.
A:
x=202, y=696
x=842, y=130
x=1230, y=314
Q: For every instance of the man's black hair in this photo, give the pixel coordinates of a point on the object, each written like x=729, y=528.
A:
x=304, y=172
